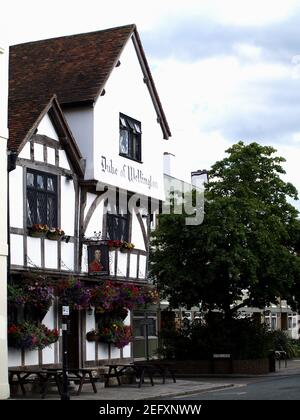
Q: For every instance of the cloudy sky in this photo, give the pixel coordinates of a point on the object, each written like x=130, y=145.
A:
x=226, y=70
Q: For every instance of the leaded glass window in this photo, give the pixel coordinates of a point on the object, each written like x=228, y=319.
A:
x=41, y=198
x=130, y=138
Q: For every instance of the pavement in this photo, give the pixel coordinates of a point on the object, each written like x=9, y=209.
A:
x=183, y=386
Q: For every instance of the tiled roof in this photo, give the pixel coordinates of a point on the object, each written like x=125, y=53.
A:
x=75, y=68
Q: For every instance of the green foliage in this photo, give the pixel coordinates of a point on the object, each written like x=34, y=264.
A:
x=247, y=241
x=282, y=342
x=242, y=338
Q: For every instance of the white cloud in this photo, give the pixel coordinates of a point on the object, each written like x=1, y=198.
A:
x=247, y=51
x=254, y=12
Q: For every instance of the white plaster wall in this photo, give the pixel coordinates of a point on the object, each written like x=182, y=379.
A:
x=136, y=233
x=67, y=206
x=31, y=357
x=67, y=256
x=25, y=152
x=89, y=199
x=90, y=346
x=38, y=152
x=84, y=260
x=115, y=353
x=15, y=197
x=102, y=351
x=95, y=223
x=51, y=254
x=81, y=122
x=133, y=265
x=48, y=319
x=112, y=255
x=127, y=351
x=16, y=249
x=14, y=357
x=127, y=320
x=48, y=352
x=51, y=155
x=127, y=93
x=4, y=387
x=34, y=251
x=122, y=263
x=46, y=128
x=142, y=268
x=3, y=91
x=63, y=160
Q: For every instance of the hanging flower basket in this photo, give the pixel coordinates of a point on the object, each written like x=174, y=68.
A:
x=74, y=293
x=29, y=336
x=116, y=333
x=37, y=297
x=16, y=295
x=91, y=336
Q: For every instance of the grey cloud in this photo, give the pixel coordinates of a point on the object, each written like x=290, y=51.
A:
x=273, y=114
x=195, y=39
x=270, y=112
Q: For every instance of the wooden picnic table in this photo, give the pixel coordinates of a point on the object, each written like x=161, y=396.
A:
x=117, y=370
x=24, y=376
x=83, y=375
x=163, y=368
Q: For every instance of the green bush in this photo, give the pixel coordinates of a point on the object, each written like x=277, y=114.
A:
x=281, y=341
x=242, y=338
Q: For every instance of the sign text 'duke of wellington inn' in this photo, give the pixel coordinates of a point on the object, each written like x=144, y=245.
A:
x=84, y=119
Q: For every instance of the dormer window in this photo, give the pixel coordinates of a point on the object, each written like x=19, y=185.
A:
x=130, y=138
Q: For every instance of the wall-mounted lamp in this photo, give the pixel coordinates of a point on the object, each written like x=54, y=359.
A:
x=66, y=238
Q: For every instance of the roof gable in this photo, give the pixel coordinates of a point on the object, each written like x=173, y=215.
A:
x=63, y=131
x=74, y=67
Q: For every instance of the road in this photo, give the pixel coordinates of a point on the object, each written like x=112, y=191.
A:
x=275, y=388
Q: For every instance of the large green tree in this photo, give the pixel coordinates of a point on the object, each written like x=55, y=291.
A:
x=244, y=252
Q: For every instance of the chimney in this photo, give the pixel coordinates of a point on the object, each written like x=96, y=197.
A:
x=199, y=178
x=169, y=163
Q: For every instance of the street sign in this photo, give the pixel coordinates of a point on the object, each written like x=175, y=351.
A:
x=221, y=356
x=66, y=310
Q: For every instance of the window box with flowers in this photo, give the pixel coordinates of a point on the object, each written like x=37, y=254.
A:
x=29, y=336
x=55, y=234
x=38, y=230
x=127, y=246
x=123, y=246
